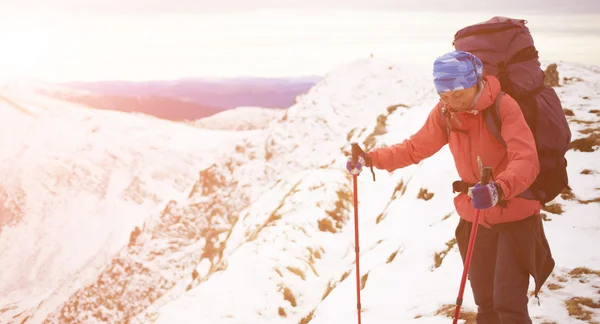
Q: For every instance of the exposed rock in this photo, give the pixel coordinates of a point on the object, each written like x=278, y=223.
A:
x=551, y=78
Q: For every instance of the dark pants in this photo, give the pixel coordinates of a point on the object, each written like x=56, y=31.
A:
x=498, y=274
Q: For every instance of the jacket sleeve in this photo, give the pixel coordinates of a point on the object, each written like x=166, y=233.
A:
x=424, y=143
x=523, y=164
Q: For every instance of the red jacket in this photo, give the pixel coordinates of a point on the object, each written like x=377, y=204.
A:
x=514, y=168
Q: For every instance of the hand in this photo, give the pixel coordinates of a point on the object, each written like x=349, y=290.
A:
x=484, y=196
x=357, y=168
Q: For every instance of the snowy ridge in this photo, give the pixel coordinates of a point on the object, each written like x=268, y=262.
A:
x=74, y=183
x=299, y=267
x=265, y=233
x=226, y=189
x=241, y=119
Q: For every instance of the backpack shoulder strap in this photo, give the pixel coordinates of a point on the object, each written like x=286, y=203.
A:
x=493, y=121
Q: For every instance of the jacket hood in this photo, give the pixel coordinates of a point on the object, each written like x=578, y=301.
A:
x=490, y=91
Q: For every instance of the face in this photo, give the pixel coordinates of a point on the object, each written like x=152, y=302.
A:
x=459, y=100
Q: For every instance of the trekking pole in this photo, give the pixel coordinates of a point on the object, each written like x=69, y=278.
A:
x=355, y=151
x=485, y=178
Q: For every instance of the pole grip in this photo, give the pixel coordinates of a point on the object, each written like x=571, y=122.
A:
x=486, y=174
x=356, y=150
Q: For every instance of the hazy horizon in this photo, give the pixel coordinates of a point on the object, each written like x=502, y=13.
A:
x=68, y=45
x=138, y=7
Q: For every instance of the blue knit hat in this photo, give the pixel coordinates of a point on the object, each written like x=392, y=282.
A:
x=456, y=70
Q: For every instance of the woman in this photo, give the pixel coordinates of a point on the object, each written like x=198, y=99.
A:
x=510, y=243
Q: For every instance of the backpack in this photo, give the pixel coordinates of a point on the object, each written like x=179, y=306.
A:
x=506, y=49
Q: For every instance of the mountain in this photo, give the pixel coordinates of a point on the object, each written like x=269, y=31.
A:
x=75, y=185
x=265, y=231
x=161, y=107
x=212, y=92
x=289, y=256
x=241, y=119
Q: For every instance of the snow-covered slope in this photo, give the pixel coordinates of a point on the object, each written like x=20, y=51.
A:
x=74, y=184
x=266, y=233
x=193, y=237
x=241, y=118
x=289, y=257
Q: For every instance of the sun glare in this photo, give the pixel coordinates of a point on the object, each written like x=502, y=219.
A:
x=87, y=47
x=23, y=48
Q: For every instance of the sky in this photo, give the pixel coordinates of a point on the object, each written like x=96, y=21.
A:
x=210, y=6
x=68, y=40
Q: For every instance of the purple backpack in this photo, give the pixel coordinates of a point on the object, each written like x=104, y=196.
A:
x=507, y=51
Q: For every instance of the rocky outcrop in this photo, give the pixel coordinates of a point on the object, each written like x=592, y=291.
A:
x=551, y=76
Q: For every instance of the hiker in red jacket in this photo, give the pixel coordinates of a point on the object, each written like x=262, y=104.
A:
x=510, y=243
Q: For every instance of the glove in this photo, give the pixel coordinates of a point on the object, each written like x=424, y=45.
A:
x=484, y=196
x=357, y=168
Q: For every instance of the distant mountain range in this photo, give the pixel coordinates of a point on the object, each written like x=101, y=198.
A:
x=161, y=107
x=188, y=99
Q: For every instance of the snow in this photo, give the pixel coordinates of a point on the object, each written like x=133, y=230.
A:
x=241, y=118
x=265, y=232
x=409, y=288
x=75, y=182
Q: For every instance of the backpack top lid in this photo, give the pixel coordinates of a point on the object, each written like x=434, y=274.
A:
x=506, y=48
x=493, y=24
